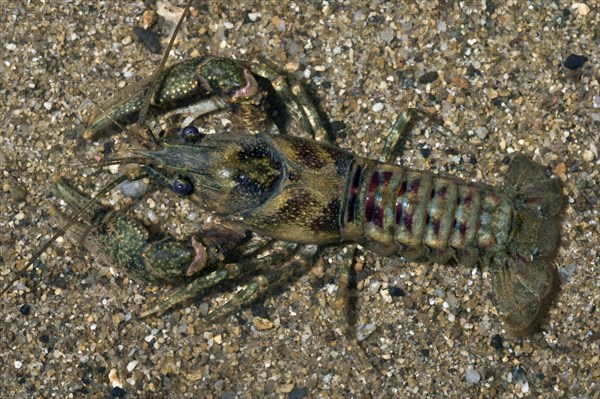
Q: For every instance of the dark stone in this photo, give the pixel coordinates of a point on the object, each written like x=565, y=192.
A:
x=117, y=392
x=428, y=77
x=337, y=126
x=149, y=39
x=396, y=291
x=298, y=393
x=498, y=101
x=575, y=61
x=25, y=309
x=472, y=71
x=497, y=342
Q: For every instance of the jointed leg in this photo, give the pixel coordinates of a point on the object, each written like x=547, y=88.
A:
x=341, y=304
x=224, y=272
x=303, y=113
x=262, y=283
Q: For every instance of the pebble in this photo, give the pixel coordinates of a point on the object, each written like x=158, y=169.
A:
x=131, y=365
x=481, y=132
x=149, y=18
x=114, y=379
x=262, y=324
x=134, y=189
x=472, y=376
x=588, y=155
x=428, y=77
x=580, y=8
x=574, y=61
x=377, y=107
x=286, y=388
x=149, y=39
x=117, y=392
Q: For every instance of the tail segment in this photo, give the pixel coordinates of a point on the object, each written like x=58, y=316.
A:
x=523, y=279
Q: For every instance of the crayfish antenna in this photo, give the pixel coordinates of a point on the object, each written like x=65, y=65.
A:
x=163, y=62
x=62, y=231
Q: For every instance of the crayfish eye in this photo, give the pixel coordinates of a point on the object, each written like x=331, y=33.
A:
x=191, y=134
x=182, y=185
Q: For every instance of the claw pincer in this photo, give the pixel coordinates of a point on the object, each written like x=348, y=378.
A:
x=122, y=240
x=201, y=81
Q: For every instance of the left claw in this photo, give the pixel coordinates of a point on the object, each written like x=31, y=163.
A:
x=201, y=85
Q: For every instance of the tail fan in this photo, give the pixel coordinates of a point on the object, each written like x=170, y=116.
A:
x=523, y=279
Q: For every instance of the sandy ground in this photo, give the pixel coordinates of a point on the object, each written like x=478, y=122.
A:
x=495, y=76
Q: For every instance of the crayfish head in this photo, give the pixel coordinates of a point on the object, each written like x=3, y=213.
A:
x=230, y=174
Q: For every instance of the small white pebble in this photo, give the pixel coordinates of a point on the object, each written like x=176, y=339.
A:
x=131, y=365
x=377, y=107
x=126, y=40
x=227, y=25
x=114, y=379
x=472, y=376
x=18, y=364
x=385, y=295
x=135, y=189
x=253, y=16
x=580, y=8
x=588, y=155
x=151, y=216
x=149, y=338
x=20, y=216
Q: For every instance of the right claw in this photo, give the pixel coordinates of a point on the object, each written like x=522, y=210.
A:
x=127, y=243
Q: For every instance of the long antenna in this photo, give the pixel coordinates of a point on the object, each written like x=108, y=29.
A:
x=141, y=119
x=151, y=88
x=62, y=231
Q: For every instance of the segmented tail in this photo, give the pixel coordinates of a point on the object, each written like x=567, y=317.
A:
x=523, y=279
